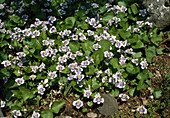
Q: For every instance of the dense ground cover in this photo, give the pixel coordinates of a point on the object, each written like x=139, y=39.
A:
x=59, y=56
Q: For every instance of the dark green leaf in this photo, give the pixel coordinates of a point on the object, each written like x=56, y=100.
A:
x=26, y=93
x=2, y=1
x=98, y=56
x=17, y=93
x=91, y=70
x=14, y=43
x=105, y=45
x=83, y=25
x=75, y=86
x=102, y=9
x=124, y=34
x=156, y=39
x=132, y=69
x=114, y=63
x=141, y=85
x=115, y=92
x=159, y=50
x=26, y=51
x=3, y=43
x=74, y=46
x=53, y=67
x=95, y=84
x=47, y=114
x=57, y=105
x=150, y=53
x=6, y=72
x=36, y=44
x=139, y=44
x=87, y=46
x=66, y=70
x=121, y=15
x=143, y=75
x=107, y=16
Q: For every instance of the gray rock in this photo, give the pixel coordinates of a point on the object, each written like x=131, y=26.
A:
x=159, y=12
x=109, y=107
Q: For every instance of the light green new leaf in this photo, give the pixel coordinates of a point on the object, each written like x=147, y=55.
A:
x=16, y=19
x=57, y=105
x=137, y=55
x=122, y=3
x=132, y=91
x=84, y=110
x=134, y=9
x=70, y=21
x=157, y=93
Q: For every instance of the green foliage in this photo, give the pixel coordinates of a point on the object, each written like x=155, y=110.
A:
x=70, y=21
x=134, y=9
x=132, y=69
x=74, y=46
x=76, y=17
x=47, y=114
x=157, y=93
x=150, y=53
x=57, y=105
x=26, y=93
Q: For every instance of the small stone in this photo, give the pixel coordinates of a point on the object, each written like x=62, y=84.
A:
x=109, y=107
x=91, y=115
